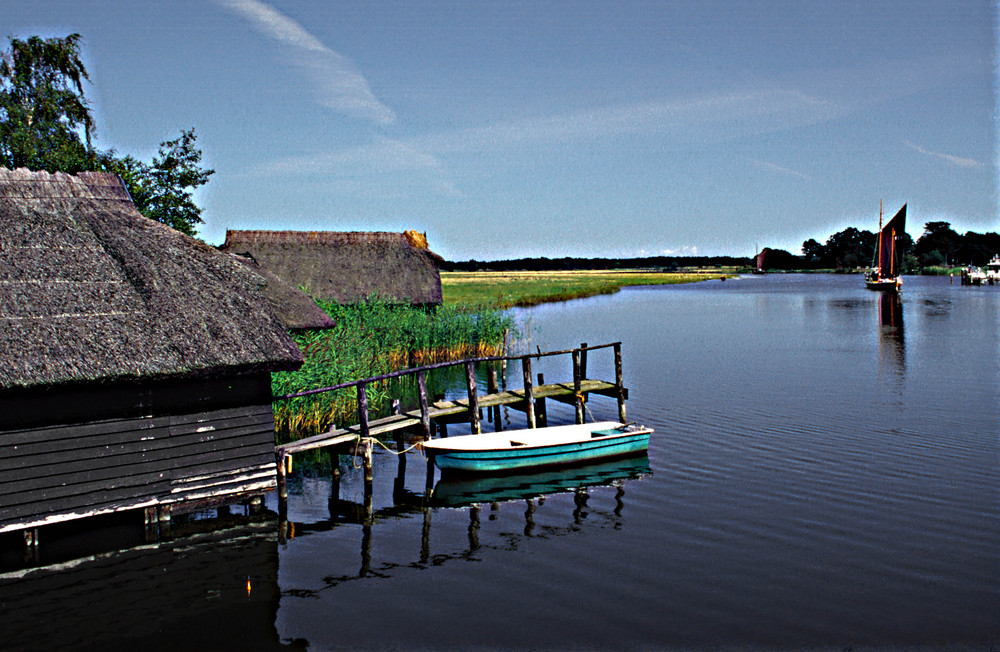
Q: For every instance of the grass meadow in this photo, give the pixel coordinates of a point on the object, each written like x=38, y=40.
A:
x=520, y=289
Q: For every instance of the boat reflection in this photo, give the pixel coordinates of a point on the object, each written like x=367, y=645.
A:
x=892, y=345
x=466, y=492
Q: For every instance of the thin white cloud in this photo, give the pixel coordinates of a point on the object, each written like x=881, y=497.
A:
x=778, y=168
x=707, y=119
x=384, y=155
x=335, y=79
x=954, y=160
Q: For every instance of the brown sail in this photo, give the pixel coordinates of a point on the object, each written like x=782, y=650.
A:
x=886, y=272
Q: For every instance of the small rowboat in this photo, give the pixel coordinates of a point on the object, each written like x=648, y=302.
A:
x=516, y=450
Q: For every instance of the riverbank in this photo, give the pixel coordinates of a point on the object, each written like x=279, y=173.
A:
x=529, y=288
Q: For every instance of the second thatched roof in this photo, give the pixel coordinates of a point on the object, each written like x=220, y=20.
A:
x=346, y=267
x=92, y=291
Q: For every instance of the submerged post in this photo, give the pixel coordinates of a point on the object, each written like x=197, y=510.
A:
x=470, y=384
x=529, y=395
x=619, y=382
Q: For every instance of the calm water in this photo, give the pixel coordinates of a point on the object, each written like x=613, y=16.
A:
x=824, y=475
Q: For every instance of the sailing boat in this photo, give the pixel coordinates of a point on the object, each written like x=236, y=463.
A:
x=885, y=273
x=760, y=262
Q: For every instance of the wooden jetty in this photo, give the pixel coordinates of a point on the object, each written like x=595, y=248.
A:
x=530, y=400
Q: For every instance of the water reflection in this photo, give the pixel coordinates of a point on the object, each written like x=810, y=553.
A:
x=891, y=343
x=452, y=496
x=459, y=492
x=208, y=588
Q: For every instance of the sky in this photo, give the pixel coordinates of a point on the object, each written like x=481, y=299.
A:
x=506, y=129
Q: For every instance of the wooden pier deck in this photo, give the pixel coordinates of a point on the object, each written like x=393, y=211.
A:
x=530, y=399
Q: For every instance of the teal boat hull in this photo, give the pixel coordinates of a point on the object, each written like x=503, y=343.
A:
x=512, y=458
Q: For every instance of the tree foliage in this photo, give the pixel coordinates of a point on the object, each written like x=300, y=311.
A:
x=163, y=190
x=42, y=107
x=941, y=245
x=45, y=124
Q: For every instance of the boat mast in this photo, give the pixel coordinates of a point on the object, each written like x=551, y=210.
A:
x=878, y=247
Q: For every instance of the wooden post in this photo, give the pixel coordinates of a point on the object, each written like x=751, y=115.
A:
x=279, y=458
x=577, y=387
x=425, y=417
x=366, y=444
x=400, y=444
x=541, y=414
x=470, y=384
x=491, y=387
x=529, y=395
x=362, y=410
x=31, y=545
x=152, y=525
x=163, y=515
x=620, y=382
x=583, y=360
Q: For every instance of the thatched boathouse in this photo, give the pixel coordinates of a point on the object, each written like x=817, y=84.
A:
x=346, y=267
x=136, y=360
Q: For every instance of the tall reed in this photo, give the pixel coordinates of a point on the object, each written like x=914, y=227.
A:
x=370, y=339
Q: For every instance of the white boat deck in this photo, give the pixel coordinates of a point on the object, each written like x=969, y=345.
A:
x=551, y=436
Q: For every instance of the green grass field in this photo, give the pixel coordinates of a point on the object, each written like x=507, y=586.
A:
x=510, y=289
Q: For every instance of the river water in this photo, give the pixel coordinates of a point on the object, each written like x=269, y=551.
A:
x=824, y=474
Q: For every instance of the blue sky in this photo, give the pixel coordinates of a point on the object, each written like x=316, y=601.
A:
x=509, y=129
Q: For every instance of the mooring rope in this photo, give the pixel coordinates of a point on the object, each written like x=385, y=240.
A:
x=583, y=399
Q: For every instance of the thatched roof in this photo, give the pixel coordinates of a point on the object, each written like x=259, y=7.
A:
x=346, y=267
x=90, y=290
x=296, y=309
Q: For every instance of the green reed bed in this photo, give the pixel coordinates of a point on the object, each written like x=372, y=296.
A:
x=371, y=339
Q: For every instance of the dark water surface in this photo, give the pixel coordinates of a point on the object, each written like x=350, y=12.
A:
x=824, y=474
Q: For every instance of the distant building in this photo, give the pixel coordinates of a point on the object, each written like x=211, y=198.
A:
x=136, y=360
x=346, y=267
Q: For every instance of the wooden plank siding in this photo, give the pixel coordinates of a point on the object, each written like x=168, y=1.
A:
x=152, y=452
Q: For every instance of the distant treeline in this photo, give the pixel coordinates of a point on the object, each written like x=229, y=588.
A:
x=938, y=246
x=667, y=263
x=850, y=249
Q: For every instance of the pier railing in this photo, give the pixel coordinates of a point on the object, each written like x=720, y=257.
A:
x=525, y=399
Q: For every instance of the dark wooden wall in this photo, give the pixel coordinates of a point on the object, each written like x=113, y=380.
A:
x=77, y=452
